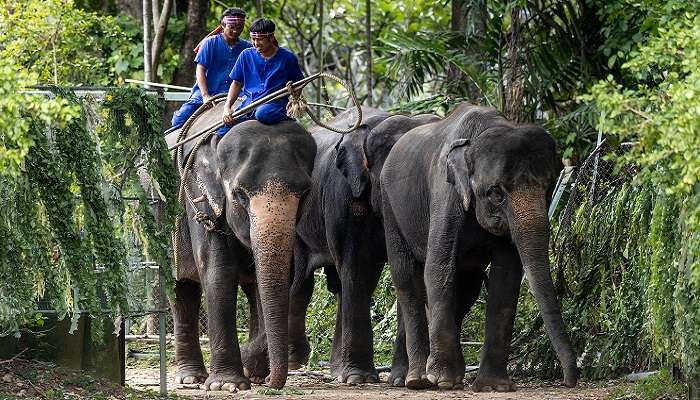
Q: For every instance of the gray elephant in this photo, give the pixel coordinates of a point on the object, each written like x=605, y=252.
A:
x=251, y=183
x=340, y=228
x=458, y=195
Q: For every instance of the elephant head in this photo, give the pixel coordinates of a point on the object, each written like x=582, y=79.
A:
x=380, y=141
x=351, y=157
x=506, y=173
x=360, y=155
x=257, y=182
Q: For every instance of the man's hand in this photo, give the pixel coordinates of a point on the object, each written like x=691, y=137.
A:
x=228, y=119
x=206, y=97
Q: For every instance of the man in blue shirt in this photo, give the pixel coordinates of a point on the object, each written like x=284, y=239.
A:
x=215, y=58
x=258, y=72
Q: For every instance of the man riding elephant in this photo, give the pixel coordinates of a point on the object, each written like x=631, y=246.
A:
x=258, y=72
x=216, y=56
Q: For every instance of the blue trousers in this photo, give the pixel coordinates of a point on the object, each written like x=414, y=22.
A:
x=186, y=111
x=268, y=114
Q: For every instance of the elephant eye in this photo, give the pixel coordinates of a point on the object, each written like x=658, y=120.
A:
x=496, y=195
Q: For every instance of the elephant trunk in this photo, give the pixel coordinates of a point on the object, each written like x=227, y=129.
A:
x=272, y=230
x=529, y=228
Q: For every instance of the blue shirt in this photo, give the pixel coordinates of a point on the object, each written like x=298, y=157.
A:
x=261, y=77
x=218, y=58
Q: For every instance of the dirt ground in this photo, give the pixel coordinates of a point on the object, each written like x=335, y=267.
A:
x=313, y=385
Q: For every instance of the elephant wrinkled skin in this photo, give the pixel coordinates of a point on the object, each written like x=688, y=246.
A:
x=460, y=194
x=252, y=182
x=340, y=228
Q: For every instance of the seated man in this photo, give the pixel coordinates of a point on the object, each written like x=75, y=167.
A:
x=259, y=72
x=215, y=58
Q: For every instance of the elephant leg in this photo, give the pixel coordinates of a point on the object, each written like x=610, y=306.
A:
x=445, y=366
x=504, y=287
x=256, y=365
x=221, y=282
x=408, y=281
x=188, y=354
x=333, y=284
x=399, y=364
x=358, y=281
x=468, y=285
x=299, y=299
x=336, y=363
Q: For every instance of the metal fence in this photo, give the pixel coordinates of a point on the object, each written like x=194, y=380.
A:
x=598, y=177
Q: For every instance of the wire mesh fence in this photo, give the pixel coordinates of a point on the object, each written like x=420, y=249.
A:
x=599, y=176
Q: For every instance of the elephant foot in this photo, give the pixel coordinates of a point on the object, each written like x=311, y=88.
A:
x=397, y=377
x=226, y=381
x=493, y=383
x=417, y=380
x=190, y=375
x=298, y=354
x=255, y=362
x=256, y=377
x=356, y=376
x=444, y=376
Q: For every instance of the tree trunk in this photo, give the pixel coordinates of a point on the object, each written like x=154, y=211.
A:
x=195, y=30
x=368, y=28
x=514, y=93
x=147, y=71
x=458, y=82
x=155, y=13
x=258, y=8
x=132, y=8
x=159, y=38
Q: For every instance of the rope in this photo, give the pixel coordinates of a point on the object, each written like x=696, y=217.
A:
x=184, y=193
x=297, y=104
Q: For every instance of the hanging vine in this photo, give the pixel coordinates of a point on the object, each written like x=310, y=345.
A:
x=630, y=301
x=62, y=222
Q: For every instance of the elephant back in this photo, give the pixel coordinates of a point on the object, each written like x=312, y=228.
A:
x=202, y=121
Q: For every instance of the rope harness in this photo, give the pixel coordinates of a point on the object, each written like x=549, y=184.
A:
x=296, y=107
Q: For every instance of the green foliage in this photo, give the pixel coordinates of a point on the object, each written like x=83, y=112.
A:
x=131, y=131
x=629, y=266
x=628, y=302
x=662, y=112
x=15, y=107
x=658, y=386
x=62, y=211
x=62, y=43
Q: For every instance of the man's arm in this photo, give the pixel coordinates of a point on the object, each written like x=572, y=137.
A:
x=202, y=81
x=231, y=98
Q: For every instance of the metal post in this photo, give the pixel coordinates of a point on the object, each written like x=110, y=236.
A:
x=594, y=177
x=161, y=334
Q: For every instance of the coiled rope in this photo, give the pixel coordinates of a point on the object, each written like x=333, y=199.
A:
x=297, y=104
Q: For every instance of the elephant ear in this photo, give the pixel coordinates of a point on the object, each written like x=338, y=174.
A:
x=351, y=161
x=458, y=174
x=204, y=179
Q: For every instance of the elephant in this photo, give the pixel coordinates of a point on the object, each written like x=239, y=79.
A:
x=252, y=182
x=340, y=228
x=457, y=195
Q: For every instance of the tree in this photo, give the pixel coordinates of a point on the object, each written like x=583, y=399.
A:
x=195, y=29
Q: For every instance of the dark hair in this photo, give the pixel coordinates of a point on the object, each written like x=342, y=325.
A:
x=230, y=12
x=262, y=25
